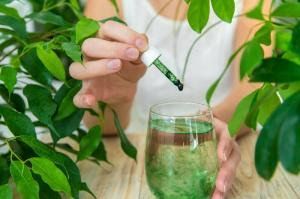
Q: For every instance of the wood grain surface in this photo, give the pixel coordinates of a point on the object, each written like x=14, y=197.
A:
x=126, y=178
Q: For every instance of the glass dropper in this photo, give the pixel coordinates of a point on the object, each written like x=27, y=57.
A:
x=151, y=57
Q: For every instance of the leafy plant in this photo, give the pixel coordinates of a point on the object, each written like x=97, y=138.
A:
x=42, y=55
x=276, y=105
x=38, y=94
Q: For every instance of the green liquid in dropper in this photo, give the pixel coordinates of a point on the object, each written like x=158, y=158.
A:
x=168, y=74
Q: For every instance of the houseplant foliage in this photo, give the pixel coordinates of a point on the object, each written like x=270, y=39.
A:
x=38, y=98
x=276, y=105
x=40, y=106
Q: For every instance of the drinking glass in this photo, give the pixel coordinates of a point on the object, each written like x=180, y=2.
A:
x=181, y=151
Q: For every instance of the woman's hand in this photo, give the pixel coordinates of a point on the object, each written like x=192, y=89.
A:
x=229, y=158
x=111, y=68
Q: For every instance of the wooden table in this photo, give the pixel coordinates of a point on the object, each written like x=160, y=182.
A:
x=126, y=179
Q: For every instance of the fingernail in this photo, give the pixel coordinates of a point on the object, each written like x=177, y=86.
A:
x=224, y=187
x=113, y=64
x=224, y=156
x=141, y=44
x=132, y=53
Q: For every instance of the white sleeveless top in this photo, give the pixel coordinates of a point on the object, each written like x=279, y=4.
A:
x=206, y=63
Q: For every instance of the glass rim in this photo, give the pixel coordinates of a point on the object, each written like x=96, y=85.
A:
x=209, y=109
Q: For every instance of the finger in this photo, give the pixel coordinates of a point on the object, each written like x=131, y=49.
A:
x=93, y=69
x=227, y=172
x=219, y=126
x=122, y=33
x=99, y=48
x=225, y=147
x=218, y=195
x=82, y=100
x=132, y=72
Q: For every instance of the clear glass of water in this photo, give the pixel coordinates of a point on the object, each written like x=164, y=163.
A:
x=181, y=151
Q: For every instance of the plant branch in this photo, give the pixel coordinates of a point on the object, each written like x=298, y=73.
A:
x=2, y=145
x=196, y=41
x=2, y=138
x=12, y=152
x=9, y=53
x=158, y=13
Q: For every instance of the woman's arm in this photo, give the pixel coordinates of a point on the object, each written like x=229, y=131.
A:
x=245, y=26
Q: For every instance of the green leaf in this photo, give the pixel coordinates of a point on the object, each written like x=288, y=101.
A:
x=114, y=18
x=9, y=76
x=224, y=9
x=67, y=107
x=288, y=9
x=115, y=4
x=73, y=51
x=18, y=123
x=26, y=185
x=291, y=89
x=64, y=89
x=90, y=142
x=6, y=192
x=276, y=70
x=50, y=174
x=75, y=4
x=251, y=58
x=45, y=191
x=126, y=145
x=291, y=56
x=84, y=187
x=65, y=163
x=295, y=43
x=268, y=104
x=47, y=17
x=256, y=12
x=100, y=153
x=198, y=14
x=263, y=35
x=35, y=67
x=13, y=99
x=283, y=40
x=42, y=106
x=9, y=11
x=266, y=156
x=289, y=137
x=5, y=1
x=16, y=24
x=73, y=122
x=240, y=114
x=86, y=28
x=51, y=61
x=4, y=170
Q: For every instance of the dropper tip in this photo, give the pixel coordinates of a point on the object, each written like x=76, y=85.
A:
x=180, y=86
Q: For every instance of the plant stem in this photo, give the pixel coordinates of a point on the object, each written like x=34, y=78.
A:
x=13, y=153
x=196, y=41
x=2, y=145
x=158, y=13
x=263, y=98
x=65, y=147
x=38, y=124
x=9, y=53
x=2, y=138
